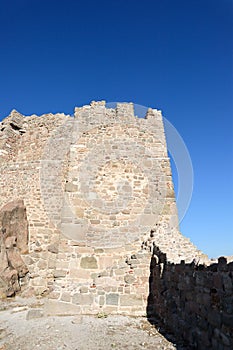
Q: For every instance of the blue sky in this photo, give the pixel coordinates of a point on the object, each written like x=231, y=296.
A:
x=175, y=55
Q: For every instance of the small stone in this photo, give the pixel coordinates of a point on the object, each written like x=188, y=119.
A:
x=70, y=187
x=77, y=320
x=59, y=273
x=129, y=279
x=53, y=248
x=83, y=289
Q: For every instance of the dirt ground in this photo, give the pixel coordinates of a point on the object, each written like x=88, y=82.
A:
x=24, y=327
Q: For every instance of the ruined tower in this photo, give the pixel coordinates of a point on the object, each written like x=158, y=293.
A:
x=98, y=193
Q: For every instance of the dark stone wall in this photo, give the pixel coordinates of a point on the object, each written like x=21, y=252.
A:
x=194, y=301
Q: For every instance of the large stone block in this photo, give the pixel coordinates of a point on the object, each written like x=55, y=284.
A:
x=88, y=262
x=112, y=299
x=131, y=300
x=82, y=299
x=76, y=232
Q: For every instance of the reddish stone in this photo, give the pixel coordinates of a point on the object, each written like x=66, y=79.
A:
x=13, y=242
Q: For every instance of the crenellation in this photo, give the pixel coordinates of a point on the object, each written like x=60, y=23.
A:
x=125, y=111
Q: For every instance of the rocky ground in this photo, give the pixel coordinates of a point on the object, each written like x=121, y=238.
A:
x=24, y=327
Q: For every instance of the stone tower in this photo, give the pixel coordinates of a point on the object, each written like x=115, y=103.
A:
x=98, y=193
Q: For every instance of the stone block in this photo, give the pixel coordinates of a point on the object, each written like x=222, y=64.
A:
x=105, y=261
x=131, y=300
x=99, y=251
x=34, y=313
x=66, y=297
x=60, y=273
x=119, y=272
x=101, y=300
x=82, y=274
x=70, y=187
x=112, y=299
x=82, y=299
x=51, y=264
x=42, y=264
x=110, y=309
x=148, y=220
x=129, y=279
x=88, y=262
x=73, y=231
x=83, y=289
x=53, y=248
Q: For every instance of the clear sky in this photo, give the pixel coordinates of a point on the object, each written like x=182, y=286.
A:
x=174, y=55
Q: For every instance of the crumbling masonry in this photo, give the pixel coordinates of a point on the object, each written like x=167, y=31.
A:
x=97, y=192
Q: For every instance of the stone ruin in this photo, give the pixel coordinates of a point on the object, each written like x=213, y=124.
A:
x=88, y=219
x=83, y=200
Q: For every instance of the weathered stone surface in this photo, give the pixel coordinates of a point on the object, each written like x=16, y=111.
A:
x=73, y=231
x=34, y=313
x=13, y=221
x=95, y=187
x=13, y=242
x=60, y=273
x=70, y=187
x=129, y=279
x=194, y=298
x=112, y=299
x=53, y=248
x=82, y=299
x=89, y=262
x=83, y=289
x=66, y=297
x=130, y=300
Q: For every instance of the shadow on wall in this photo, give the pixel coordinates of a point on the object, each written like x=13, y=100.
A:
x=192, y=304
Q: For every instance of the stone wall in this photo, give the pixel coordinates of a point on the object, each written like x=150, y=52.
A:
x=98, y=193
x=194, y=301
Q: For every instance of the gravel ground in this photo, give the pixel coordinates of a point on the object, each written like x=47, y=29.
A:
x=19, y=331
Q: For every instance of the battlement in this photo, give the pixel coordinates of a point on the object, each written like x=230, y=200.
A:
x=123, y=111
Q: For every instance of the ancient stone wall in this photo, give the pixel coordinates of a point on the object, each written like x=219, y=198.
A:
x=194, y=301
x=98, y=193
